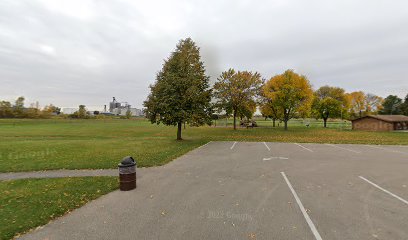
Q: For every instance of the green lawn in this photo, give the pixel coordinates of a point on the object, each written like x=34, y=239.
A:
x=27, y=145
x=26, y=204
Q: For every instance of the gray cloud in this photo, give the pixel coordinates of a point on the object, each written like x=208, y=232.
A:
x=84, y=52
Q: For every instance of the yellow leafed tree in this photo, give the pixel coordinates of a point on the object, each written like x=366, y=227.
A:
x=291, y=94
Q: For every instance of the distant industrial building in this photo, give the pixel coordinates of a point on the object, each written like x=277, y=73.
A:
x=381, y=123
x=121, y=108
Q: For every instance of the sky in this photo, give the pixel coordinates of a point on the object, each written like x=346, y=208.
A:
x=85, y=52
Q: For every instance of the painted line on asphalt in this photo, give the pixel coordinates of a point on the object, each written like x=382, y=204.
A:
x=282, y=158
x=389, y=150
x=310, y=150
x=350, y=150
x=267, y=146
x=384, y=190
x=233, y=145
x=205, y=144
x=302, y=209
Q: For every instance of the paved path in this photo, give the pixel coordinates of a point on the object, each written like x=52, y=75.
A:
x=58, y=174
x=228, y=190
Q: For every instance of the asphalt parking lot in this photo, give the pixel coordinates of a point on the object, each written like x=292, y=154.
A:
x=255, y=190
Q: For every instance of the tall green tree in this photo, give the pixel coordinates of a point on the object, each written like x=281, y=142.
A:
x=236, y=92
x=328, y=102
x=181, y=92
x=404, y=106
x=291, y=93
x=391, y=105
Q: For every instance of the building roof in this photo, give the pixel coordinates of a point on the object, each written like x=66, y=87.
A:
x=387, y=118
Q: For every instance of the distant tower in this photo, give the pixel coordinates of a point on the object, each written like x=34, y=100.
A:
x=104, y=109
x=112, y=105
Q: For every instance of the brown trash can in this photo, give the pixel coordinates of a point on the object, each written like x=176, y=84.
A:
x=127, y=174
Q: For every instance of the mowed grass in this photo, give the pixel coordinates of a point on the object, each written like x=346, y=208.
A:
x=27, y=145
x=28, y=203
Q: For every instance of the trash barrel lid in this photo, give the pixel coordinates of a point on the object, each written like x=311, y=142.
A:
x=127, y=162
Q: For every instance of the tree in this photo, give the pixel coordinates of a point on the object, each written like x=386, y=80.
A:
x=357, y=103
x=373, y=103
x=50, y=110
x=53, y=109
x=404, y=106
x=328, y=102
x=128, y=114
x=391, y=105
x=268, y=108
x=290, y=93
x=215, y=117
x=33, y=111
x=247, y=110
x=19, y=107
x=81, y=112
x=237, y=91
x=6, y=110
x=181, y=92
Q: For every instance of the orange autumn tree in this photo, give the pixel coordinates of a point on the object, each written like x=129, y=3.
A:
x=373, y=103
x=291, y=94
x=357, y=103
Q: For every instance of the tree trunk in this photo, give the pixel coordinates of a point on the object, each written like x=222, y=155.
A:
x=235, y=119
x=286, y=124
x=325, y=122
x=273, y=122
x=179, y=131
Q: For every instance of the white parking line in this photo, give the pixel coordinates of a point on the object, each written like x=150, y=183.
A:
x=302, y=209
x=384, y=190
x=389, y=150
x=267, y=146
x=350, y=150
x=205, y=144
x=233, y=145
x=310, y=150
x=282, y=158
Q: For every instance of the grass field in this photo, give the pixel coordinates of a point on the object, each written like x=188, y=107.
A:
x=27, y=145
x=26, y=204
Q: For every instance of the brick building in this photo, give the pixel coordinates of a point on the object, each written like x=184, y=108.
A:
x=381, y=123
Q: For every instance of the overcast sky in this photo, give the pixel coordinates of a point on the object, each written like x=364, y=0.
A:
x=85, y=52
